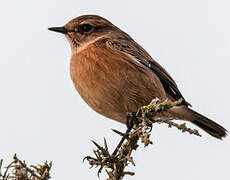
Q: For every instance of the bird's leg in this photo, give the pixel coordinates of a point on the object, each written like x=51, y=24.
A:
x=131, y=120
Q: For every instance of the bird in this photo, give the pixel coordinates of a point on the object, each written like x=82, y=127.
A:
x=114, y=75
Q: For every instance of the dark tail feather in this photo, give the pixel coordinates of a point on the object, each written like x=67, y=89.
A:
x=201, y=121
x=208, y=125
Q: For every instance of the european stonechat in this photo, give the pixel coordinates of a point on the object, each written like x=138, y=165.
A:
x=115, y=75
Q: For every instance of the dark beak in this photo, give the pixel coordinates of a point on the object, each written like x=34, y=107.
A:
x=58, y=29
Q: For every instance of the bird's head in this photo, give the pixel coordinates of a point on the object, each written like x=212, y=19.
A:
x=86, y=29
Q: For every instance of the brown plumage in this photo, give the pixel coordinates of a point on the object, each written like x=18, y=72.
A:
x=115, y=75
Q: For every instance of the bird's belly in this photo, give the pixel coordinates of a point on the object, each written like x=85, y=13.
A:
x=100, y=96
x=114, y=90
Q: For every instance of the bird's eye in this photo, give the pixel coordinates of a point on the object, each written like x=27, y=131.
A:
x=86, y=27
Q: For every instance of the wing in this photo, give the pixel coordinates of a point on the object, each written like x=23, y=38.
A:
x=130, y=47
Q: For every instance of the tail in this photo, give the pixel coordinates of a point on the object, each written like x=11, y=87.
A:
x=211, y=127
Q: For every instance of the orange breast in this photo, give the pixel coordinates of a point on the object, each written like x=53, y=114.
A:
x=111, y=83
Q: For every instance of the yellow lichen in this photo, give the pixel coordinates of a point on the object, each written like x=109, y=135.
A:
x=149, y=106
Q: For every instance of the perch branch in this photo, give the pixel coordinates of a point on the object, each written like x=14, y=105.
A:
x=115, y=163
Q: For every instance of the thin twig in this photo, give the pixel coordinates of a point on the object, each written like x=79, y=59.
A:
x=18, y=170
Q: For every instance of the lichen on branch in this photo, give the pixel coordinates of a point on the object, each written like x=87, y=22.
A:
x=142, y=121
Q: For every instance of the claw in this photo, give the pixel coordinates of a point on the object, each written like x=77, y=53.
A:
x=150, y=128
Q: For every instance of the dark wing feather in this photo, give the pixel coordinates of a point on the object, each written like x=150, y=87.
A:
x=127, y=45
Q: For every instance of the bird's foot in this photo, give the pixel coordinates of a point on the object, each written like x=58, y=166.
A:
x=131, y=120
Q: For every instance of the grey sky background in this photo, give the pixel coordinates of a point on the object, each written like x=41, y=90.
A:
x=43, y=117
